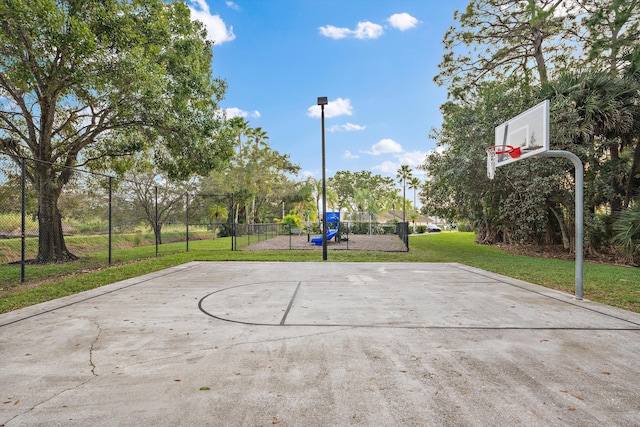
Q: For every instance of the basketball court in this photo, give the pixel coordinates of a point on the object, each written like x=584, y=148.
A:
x=253, y=343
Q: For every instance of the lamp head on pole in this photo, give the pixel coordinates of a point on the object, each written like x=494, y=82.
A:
x=322, y=100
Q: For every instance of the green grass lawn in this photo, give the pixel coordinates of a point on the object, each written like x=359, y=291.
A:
x=613, y=285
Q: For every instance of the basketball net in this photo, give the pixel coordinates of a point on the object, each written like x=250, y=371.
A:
x=492, y=156
x=492, y=161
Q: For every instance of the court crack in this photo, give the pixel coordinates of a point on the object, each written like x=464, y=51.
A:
x=91, y=349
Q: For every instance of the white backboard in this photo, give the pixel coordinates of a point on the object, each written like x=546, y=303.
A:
x=529, y=131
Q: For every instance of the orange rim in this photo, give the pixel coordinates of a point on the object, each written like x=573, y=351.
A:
x=504, y=149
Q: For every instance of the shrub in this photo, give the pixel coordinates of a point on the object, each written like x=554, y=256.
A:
x=627, y=231
x=359, y=228
x=11, y=223
x=464, y=227
x=91, y=226
x=293, y=221
x=597, y=231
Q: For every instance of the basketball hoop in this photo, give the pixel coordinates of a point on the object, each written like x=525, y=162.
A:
x=496, y=150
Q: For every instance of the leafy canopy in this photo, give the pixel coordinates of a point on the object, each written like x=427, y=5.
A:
x=92, y=80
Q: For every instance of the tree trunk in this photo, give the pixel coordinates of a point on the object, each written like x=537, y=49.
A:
x=51, y=245
x=632, y=179
x=538, y=37
x=158, y=232
x=615, y=202
x=566, y=239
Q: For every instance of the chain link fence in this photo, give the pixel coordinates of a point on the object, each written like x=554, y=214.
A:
x=104, y=220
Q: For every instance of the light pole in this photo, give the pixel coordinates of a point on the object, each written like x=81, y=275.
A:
x=322, y=101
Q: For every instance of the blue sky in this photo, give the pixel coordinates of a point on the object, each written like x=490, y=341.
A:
x=373, y=59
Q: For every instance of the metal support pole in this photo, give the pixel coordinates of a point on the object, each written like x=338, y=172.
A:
x=156, y=223
x=110, y=218
x=23, y=223
x=324, y=195
x=233, y=223
x=579, y=208
x=186, y=195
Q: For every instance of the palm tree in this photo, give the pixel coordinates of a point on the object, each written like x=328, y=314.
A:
x=627, y=231
x=317, y=195
x=403, y=174
x=332, y=199
x=414, y=184
x=258, y=136
x=413, y=217
x=391, y=201
x=240, y=127
x=304, y=196
x=361, y=200
x=217, y=213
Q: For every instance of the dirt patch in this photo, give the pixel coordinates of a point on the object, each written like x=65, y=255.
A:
x=356, y=242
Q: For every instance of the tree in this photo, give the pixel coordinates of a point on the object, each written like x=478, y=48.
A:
x=404, y=174
x=151, y=196
x=499, y=62
x=458, y=187
x=496, y=39
x=258, y=177
x=627, y=232
x=392, y=201
x=217, y=213
x=304, y=198
x=608, y=110
x=613, y=32
x=258, y=136
x=613, y=50
x=332, y=197
x=414, y=184
x=344, y=184
x=239, y=127
x=81, y=82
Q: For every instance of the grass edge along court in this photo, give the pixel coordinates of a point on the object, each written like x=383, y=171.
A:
x=617, y=286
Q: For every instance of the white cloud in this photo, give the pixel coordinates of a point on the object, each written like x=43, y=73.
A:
x=385, y=146
x=347, y=127
x=363, y=30
x=334, y=108
x=402, y=21
x=398, y=156
x=217, y=30
x=412, y=158
x=232, y=5
x=368, y=30
x=334, y=32
x=237, y=112
x=348, y=155
x=387, y=167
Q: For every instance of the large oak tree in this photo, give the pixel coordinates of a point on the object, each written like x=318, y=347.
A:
x=84, y=81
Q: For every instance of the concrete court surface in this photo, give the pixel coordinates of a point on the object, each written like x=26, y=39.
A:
x=320, y=344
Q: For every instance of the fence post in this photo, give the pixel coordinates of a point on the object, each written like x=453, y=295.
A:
x=23, y=223
x=110, y=219
x=156, y=230
x=233, y=223
x=187, y=219
x=347, y=235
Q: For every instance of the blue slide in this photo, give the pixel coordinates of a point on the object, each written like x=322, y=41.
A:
x=331, y=233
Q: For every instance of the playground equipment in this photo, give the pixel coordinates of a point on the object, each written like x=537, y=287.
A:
x=332, y=228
